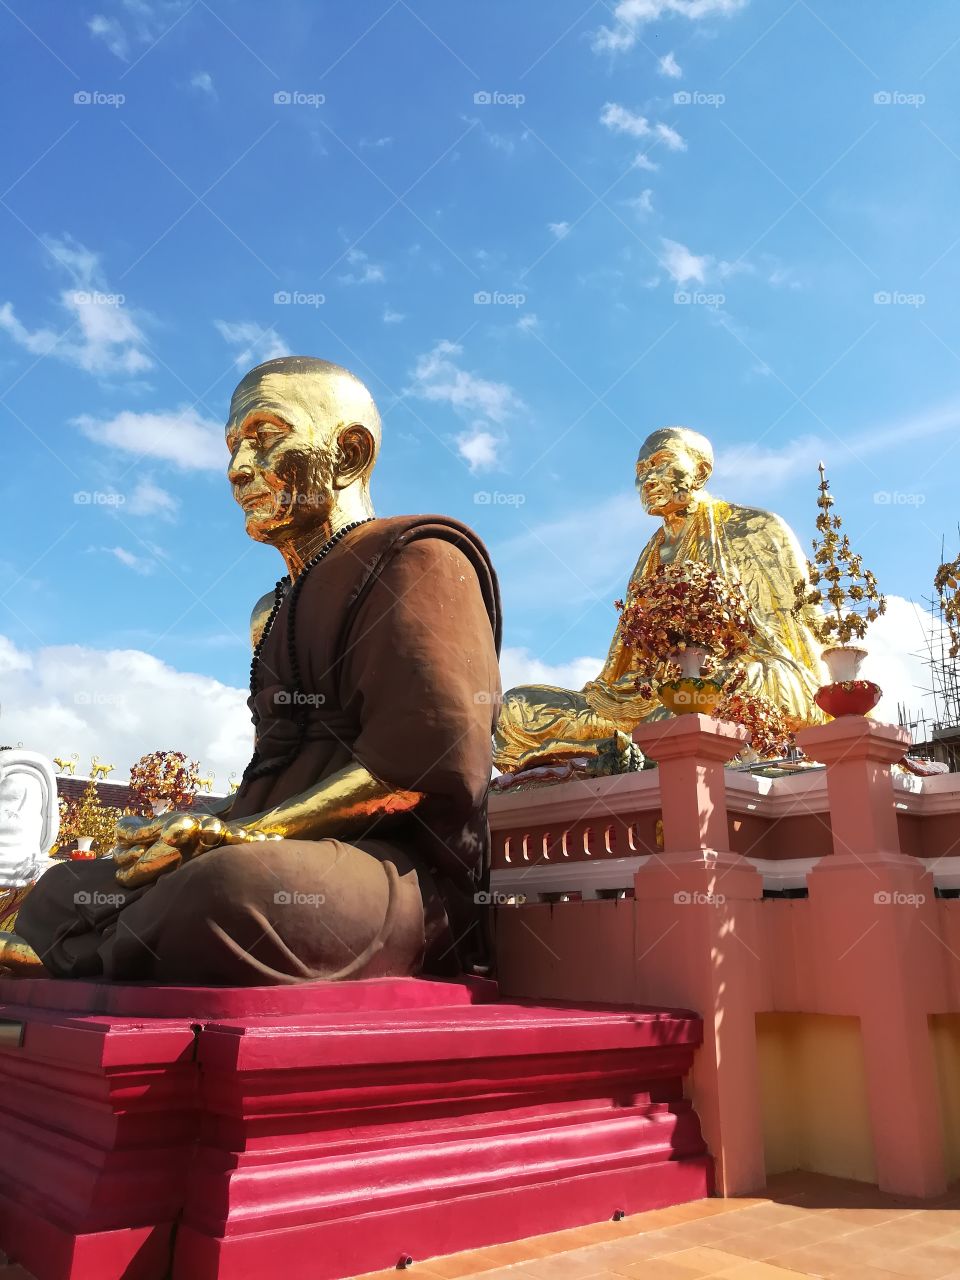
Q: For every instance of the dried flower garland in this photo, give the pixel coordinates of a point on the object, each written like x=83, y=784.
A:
x=685, y=606
x=164, y=778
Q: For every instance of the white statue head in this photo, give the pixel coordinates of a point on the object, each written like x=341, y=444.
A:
x=29, y=815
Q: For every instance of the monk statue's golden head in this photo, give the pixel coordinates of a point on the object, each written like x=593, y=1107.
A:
x=674, y=465
x=303, y=436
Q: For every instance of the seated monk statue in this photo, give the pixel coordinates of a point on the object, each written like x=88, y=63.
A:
x=357, y=843
x=541, y=725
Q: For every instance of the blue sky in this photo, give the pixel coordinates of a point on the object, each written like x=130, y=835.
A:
x=739, y=215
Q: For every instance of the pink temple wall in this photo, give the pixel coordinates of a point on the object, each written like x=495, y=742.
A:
x=865, y=969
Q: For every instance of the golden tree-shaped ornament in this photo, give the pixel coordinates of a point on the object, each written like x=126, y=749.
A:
x=850, y=599
x=947, y=586
x=92, y=824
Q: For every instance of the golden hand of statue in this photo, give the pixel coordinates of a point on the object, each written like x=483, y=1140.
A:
x=148, y=847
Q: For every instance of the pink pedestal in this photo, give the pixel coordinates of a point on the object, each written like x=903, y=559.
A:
x=322, y=1131
x=695, y=924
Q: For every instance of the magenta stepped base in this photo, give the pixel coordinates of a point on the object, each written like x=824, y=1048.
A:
x=320, y=1131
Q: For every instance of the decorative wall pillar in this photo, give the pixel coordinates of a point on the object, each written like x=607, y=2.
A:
x=698, y=937
x=874, y=914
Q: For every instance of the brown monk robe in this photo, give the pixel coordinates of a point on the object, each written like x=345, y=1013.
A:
x=393, y=664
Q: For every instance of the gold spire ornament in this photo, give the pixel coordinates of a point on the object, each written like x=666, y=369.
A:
x=850, y=599
x=946, y=583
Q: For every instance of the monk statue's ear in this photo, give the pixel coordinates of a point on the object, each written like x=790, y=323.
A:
x=704, y=470
x=356, y=454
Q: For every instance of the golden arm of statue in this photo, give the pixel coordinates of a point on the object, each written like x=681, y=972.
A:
x=344, y=806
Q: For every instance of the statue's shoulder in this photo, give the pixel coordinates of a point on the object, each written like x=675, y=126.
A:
x=756, y=525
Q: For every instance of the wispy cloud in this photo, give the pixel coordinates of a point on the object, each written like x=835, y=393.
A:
x=438, y=377
x=479, y=448
x=682, y=265
x=182, y=437
x=133, y=24
x=254, y=343
x=669, y=67
x=632, y=15
x=366, y=272
x=203, y=81
x=558, y=229
x=102, y=336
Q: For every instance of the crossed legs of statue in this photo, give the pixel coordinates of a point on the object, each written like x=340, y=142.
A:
x=237, y=916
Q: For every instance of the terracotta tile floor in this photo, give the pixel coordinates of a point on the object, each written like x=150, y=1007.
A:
x=804, y=1225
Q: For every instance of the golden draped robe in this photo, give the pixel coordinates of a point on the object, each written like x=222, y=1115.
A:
x=541, y=722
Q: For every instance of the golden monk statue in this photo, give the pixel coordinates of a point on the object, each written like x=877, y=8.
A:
x=540, y=724
x=357, y=844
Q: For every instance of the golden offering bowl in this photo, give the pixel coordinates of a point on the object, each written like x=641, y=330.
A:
x=689, y=694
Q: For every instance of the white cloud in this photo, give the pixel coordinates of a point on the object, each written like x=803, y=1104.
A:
x=479, y=449
x=632, y=15
x=376, y=142
x=643, y=161
x=112, y=34
x=682, y=265
x=558, y=229
x=102, y=337
x=203, y=81
x=139, y=564
x=139, y=22
x=529, y=322
x=439, y=378
x=670, y=138
x=668, y=66
x=120, y=704
x=772, y=468
x=619, y=119
x=392, y=317
x=897, y=646
x=367, y=272
x=641, y=204
x=148, y=499
x=519, y=666
x=181, y=437
x=256, y=344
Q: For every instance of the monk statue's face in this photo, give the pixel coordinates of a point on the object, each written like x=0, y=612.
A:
x=294, y=450
x=669, y=475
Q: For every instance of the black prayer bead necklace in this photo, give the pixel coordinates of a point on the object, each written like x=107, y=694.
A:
x=280, y=592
